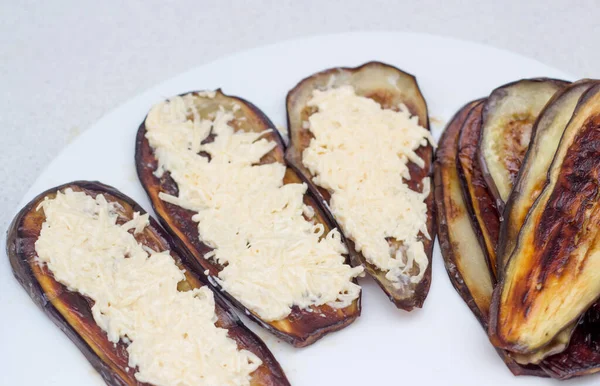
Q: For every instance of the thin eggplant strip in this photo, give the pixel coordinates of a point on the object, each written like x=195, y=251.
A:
x=485, y=217
x=552, y=277
x=71, y=311
x=547, y=130
x=301, y=327
x=463, y=255
x=508, y=118
x=389, y=87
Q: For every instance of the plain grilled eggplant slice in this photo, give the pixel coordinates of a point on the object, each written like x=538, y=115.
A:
x=301, y=327
x=547, y=132
x=389, y=87
x=463, y=255
x=71, y=311
x=485, y=217
x=553, y=275
x=508, y=117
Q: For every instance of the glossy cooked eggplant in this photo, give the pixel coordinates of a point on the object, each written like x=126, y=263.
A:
x=463, y=255
x=71, y=311
x=508, y=118
x=389, y=87
x=553, y=275
x=547, y=132
x=485, y=217
x=301, y=327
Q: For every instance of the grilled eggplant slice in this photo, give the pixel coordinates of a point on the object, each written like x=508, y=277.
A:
x=485, y=217
x=389, y=87
x=301, y=327
x=463, y=255
x=547, y=132
x=508, y=118
x=552, y=278
x=71, y=311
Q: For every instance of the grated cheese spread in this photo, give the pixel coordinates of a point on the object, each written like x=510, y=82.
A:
x=359, y=153
x=273, y=256
x=171, y=335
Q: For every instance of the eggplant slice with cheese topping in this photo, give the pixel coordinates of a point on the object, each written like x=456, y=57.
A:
x=72, y=312
x=301, y=327
x=393, y=90
x=508, y=118
x=552, y=276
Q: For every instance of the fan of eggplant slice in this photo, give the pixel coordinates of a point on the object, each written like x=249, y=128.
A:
x=553, y=274
x=71, y=311
x=302, y=327
x=574, y=347
x=389, y=87
x=463, y=255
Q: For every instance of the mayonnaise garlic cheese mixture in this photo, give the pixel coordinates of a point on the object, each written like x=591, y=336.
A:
x=359, y=153
x=171, y=336
x=273, y=258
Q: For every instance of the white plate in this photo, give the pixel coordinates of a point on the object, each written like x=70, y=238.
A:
x=442, y=344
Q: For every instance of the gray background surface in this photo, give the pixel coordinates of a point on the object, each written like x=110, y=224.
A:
x=63, y=64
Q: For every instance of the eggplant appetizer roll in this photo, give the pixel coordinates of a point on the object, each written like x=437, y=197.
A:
x=213, y=166
x=110, y=278
x=362, y=135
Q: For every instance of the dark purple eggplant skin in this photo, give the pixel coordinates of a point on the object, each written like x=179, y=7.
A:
x=302, y=327
x=21, y=252
x=481, y=204
x=299, y=138
x=448, y=150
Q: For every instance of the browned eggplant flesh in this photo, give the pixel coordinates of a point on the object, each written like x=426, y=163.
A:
x=390, y=88
x=302, y=326
x=547, y=131
x=508, y=118
x=553, y=275
x=71, y=311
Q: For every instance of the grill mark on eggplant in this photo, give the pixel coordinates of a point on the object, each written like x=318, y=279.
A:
x=300, y=138
x=480, y=203
x=71, y=311
x=301, y=327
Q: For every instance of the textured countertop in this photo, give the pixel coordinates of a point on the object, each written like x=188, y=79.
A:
x=64, y=64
